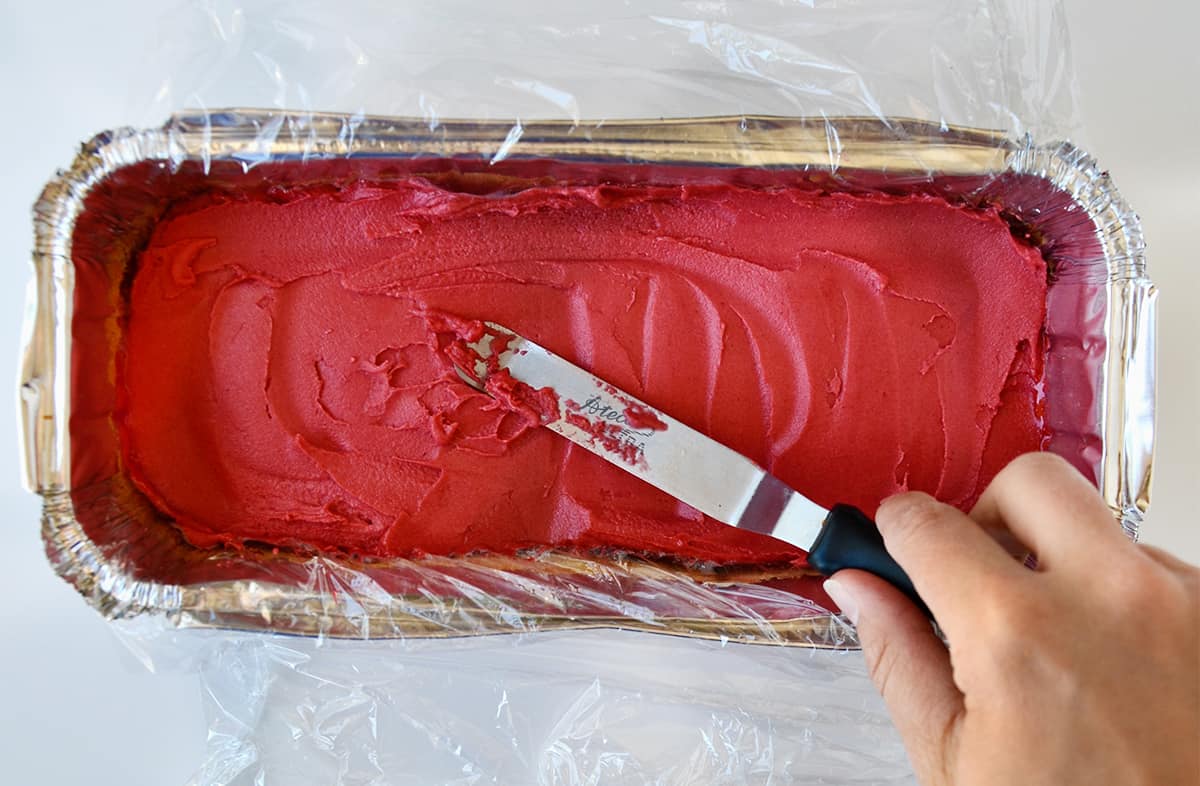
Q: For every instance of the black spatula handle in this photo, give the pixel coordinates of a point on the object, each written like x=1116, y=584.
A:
x=849, y=539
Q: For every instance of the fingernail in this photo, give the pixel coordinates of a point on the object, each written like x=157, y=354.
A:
x=844, y=598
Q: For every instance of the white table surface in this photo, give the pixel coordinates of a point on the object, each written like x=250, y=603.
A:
x=79, y=709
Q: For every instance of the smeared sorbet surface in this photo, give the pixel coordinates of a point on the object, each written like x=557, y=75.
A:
x=282, y=379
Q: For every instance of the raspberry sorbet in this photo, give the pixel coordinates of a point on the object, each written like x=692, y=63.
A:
x=281, y=380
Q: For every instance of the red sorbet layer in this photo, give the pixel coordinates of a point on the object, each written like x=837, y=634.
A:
x=282, y=382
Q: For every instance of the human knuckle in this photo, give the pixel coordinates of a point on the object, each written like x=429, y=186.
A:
x=993, y=585
x=1139, y=585
x=1009, y=617
x=1161, y=596
x=881, y=664
x=1033, y=465
x=1189, y=578
x=1042, y=460
x=915, y=515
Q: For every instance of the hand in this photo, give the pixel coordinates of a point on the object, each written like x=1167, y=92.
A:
x=1085, y=671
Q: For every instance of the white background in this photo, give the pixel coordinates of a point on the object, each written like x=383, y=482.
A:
x=78, y=709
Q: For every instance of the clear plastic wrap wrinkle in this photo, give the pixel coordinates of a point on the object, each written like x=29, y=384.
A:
x=536, y=669
x=600, y=707
x=996, y=64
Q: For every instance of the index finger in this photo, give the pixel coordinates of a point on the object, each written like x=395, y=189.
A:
x=955, y=566
x=1052, y=509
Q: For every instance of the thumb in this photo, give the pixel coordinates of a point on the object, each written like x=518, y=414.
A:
x=908, y=664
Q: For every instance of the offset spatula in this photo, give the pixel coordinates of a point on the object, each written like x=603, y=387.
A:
x=691, y=467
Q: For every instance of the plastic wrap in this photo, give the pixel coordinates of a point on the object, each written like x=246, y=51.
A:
x=1002, y=65
x=590, y=707
x=972, y=101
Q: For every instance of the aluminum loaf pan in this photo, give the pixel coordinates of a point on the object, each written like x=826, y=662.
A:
x=126, y=559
